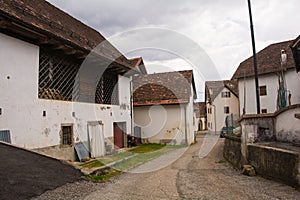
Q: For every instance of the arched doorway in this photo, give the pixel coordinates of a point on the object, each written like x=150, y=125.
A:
x=200, y=125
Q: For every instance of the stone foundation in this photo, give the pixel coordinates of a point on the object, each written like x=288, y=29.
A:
x=58, y=152
x=232, y=150
x=276, y=163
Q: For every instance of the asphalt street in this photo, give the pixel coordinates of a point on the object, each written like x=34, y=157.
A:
x=25, y=174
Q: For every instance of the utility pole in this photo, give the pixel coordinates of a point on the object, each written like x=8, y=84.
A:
x=254, y=59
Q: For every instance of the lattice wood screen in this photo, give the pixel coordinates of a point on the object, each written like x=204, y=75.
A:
x=58, y=81
x=56, y=76
x=107, y=89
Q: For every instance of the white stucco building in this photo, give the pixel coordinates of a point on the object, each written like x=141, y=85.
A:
x=221, y=101
x=54, y=93
x=270, y=69
x=163, y=107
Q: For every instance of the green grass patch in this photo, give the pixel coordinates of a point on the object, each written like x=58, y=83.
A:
x=222, y=161
x=108, y=159
x=94, y=164
x=144, y=148
x=104, y=175
x=143, y=153
x=141, y=158
x=118, y=156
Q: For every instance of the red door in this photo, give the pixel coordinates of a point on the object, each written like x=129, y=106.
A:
x=119, y=135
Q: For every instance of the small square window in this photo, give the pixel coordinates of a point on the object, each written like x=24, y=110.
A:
x=67, y=135
x=226, y=109
x=263, y=90
x=264, y=111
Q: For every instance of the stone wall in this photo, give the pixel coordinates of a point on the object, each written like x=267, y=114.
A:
x=288, y=125
x=258, y=128
x=272, y=161
x=232, y=150
x=282, y=126
x=275, y=163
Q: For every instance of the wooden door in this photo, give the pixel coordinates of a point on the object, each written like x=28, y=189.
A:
x=119, y=134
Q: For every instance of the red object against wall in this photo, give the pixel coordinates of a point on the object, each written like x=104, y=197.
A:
x=118, y=135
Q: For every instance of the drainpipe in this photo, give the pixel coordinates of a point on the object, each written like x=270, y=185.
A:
x=131, y=104
x=215, y=118
x=185, y=126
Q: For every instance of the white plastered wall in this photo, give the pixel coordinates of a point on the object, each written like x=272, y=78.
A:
x=166, y=122
x=22, y=110
x=268, y=101
x=217, y=114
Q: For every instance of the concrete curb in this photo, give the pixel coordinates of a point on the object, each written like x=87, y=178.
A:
x=87, y=171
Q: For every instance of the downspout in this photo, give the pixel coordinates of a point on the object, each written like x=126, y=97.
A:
x=244, y=109
x=215, y=118
x=131, y=105
x=185, y=126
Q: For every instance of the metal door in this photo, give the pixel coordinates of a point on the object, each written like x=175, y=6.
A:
x=138, y=134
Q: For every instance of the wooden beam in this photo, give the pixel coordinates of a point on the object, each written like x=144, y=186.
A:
x=3, y=23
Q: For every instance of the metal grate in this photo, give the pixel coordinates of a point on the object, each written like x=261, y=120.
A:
x=107, y=89
x=67, y=135
x=5, y=136
x=56, y=76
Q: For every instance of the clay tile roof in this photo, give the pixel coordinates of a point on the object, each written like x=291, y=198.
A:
x=139, y=64
x=232, y=85
x=163, y=88
x=200, y=109
x=46, y=19
x=268, y=61
x=217, y=86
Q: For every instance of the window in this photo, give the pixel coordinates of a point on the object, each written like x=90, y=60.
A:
x=225, y=94
x=67, y=135
x=226, y=109
x=262, y=90
x=264, y=110
x=209, y=110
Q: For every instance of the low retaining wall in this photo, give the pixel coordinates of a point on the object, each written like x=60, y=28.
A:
x=232, y=150
x=275, y=163
x=62, y=153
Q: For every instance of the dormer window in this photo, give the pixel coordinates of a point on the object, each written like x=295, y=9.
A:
x=225, y=94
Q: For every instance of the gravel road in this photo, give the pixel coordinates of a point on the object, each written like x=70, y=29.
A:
x=189, y=177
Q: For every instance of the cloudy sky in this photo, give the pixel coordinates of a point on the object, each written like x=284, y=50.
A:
x=209, y=36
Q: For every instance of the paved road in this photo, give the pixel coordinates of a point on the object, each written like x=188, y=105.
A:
x=189, y=177
x=24, y=174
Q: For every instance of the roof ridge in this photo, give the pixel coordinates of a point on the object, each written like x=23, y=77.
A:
x=268, y=60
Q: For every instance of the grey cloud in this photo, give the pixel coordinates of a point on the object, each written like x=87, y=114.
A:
x=164, y=44
x=220, y=27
